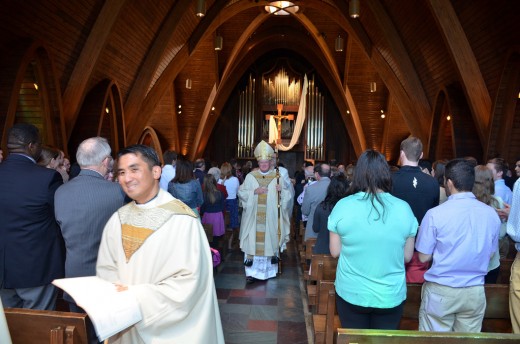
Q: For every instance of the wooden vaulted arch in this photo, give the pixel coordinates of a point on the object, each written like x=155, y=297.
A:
x=149, y=138
x=260, y=46
x=456, y=136
x=31, y=93
x=502, y=138
x=101, y=115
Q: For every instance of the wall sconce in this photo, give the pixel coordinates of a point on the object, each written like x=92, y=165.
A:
x=188, y=84
x=219, y=42
x=107, y=110
x=353, y=8
x=35, y=86
x=201, y=8
x=373, y=86
x=339, y=44
x=448, y=118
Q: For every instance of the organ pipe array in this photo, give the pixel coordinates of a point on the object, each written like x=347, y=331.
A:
x=281, y=90
x=246, y=120
x=315, y=148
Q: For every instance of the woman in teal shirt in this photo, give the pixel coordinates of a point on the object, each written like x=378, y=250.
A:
x=373, y=234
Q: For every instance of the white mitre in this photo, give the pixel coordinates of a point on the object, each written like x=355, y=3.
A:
x=263, y=151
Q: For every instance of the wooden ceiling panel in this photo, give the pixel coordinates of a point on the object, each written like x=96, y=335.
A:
x=425, y=46
x=490, y=36
x=201, y=71
x=63, y=29
x=129, y=43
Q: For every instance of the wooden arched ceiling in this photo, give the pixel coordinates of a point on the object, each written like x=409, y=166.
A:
x=411, y=48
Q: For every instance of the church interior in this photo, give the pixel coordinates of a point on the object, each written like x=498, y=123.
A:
x=323, y=79
x=202, y=76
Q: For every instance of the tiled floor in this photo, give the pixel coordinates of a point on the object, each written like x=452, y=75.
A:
x=269, y=311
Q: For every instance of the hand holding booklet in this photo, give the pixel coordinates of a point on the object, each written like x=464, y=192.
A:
x=109, y=310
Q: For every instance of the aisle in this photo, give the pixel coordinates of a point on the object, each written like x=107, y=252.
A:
x=263, y=312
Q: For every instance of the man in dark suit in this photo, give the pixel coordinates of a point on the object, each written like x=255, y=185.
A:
x=31, y=254
x=83, y=207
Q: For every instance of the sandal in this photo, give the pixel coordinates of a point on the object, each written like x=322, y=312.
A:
x=248, y=262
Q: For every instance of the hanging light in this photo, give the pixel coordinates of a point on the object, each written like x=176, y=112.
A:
x=219, y=42
x=448, y=118
x=339, y=44
x=188, y=84
x=353, y=8
x=281, y=8
x=35, y=86
x=373, y=86
x=383, y=114
x=107, y=110
x=201, y=8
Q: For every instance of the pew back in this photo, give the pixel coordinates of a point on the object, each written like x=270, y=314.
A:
x=349, y=336
x=29, y=326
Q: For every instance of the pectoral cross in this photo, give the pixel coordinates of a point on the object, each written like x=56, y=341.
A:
x=279, y=118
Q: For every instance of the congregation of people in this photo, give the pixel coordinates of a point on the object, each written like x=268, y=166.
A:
x=139, y=224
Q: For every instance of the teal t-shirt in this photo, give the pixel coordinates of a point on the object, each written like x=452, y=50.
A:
x=371, y=269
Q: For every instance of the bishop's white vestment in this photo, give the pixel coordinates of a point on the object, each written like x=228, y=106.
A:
x=259, y=224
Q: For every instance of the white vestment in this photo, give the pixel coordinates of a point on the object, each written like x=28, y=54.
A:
x=170, y=273
x=251, y=219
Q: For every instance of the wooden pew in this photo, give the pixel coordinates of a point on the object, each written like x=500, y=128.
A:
x=306, y=253
x=29, y=326
x=505, y=270
x=322, y=268
x=326, y=319
x=351, y=336
x=496, y=316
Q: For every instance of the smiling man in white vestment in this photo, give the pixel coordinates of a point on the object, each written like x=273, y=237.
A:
x=155, y=247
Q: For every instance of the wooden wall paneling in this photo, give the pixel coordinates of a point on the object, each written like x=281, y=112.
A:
x=164, y=121
x=13, y=67
x=500, y=139
x=75, y=90
x=153, y=58
x=465, y=137
x=467, y=66
x=90, y=118
x=401, y=60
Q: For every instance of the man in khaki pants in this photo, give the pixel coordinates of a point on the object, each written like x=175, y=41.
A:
x=512, y=214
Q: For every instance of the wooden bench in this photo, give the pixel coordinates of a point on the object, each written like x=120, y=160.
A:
x=496, y=316
x=322, y=268
x=350, y=336
x=306, y=253
x=505, y=270
x=326, y=319
x=29, y=326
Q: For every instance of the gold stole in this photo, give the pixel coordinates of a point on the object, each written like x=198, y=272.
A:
x=137, y=224
x=261, y=214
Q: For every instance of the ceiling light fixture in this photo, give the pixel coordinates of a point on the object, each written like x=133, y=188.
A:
x=373, y=87
x=281, y=8
x=353, y=8
x=219, y=42
x=339, y=44
x=188, y=84
x=201, y=8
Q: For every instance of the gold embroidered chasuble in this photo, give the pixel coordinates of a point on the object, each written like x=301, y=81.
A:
x=261, y=214
x=137, y=224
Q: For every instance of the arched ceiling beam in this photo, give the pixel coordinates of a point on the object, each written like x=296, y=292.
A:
x=400, y=55
x=467, y=66
x=259, y=47
x=145, y=105
x=417, y=118
x=153, y=58
x=76, y=88
x=239, y=49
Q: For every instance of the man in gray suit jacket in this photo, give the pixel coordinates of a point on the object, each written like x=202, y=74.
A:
x=314, y=195
x=83, y=207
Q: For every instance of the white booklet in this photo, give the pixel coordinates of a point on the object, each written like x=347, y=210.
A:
x=109, y=310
